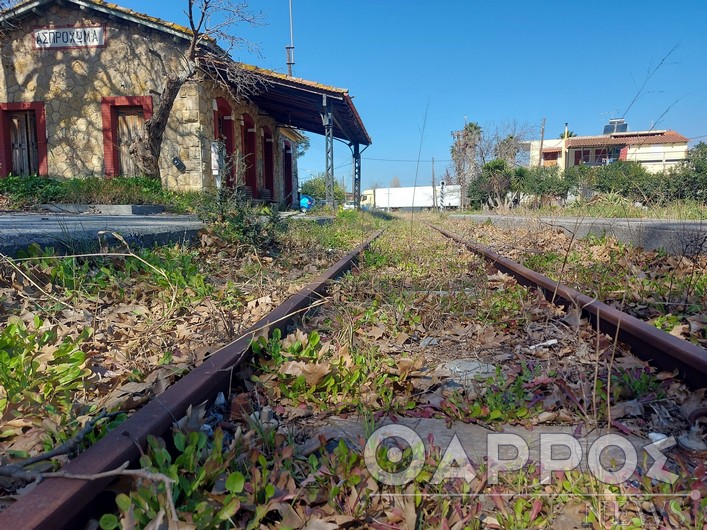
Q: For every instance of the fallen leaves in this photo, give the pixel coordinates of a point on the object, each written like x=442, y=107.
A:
x=313, y=373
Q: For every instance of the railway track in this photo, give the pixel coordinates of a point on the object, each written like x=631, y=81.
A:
x=58, y=503
x=665, y=351
x=62, y=502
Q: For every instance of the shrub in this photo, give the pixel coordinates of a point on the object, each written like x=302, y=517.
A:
x=28, y=191
x=688, y=180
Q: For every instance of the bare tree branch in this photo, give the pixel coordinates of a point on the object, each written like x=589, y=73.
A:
x=211, y=22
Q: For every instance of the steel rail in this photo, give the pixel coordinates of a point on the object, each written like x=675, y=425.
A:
x=58, y=503
x=649, y=343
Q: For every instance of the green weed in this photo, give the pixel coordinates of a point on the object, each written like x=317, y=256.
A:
x=38, y=370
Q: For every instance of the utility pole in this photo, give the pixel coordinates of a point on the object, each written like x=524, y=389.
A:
x=565, y=152
x=542, y=139
x=434, y=186
x=290, y=50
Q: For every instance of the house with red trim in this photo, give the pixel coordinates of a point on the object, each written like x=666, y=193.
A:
x=79, y=78
x=655, y=150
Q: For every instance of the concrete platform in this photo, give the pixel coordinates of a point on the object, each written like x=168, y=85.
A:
x=68, y=233
x=682, y=238
x=104, y=209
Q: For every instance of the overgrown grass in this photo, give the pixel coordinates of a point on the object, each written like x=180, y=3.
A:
x=30, y=191
x=618, y=207
x=615, y=206
x=75, y=300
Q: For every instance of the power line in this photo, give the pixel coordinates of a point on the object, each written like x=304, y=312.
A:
x=648, y=77
x=405, y=160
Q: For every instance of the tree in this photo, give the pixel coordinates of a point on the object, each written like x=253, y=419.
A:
x=494, y=183
x=210, y=21
x=506, y=141
x=464, y=155
x=316, y=188
x=507, y=150
x=570, y=134
x=688, y=180
x=303, y=146
x=474, y=147
x=546, y=183
x=395, y=182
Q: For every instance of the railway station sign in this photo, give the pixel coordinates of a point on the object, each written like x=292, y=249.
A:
x=69, y=37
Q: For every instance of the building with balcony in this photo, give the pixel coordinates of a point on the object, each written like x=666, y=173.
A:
x=655, y=150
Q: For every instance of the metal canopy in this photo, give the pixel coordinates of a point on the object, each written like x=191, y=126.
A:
x=298, y=103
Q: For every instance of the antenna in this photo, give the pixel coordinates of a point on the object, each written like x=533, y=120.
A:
x=291, y=48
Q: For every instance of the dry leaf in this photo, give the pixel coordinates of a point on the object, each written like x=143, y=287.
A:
x=313, y=372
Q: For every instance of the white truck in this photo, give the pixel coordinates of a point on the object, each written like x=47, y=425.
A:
x=412, y=198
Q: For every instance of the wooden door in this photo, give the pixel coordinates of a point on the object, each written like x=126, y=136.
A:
x=23, y=141
x=130, y=127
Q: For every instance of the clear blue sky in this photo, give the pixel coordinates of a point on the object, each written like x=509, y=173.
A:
x=580, y=62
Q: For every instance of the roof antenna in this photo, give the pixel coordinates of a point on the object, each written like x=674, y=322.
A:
x=291, y=48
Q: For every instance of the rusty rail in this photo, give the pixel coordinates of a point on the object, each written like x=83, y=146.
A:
x=665, y=351
x=58, y=503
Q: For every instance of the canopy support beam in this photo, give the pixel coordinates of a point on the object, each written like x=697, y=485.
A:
x=328, y=123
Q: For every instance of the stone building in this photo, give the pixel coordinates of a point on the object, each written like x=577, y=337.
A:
x=79, y=78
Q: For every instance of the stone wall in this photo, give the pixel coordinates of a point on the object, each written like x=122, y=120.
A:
x=72, y=82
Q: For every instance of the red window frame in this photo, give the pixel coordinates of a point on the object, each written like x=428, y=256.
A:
x=6, y=149
x=109, y=115
x=250, y=153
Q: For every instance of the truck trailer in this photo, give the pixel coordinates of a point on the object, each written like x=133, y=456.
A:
x=412, y=198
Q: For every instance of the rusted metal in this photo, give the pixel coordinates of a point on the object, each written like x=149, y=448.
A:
x=59, y=503
x=665, y=351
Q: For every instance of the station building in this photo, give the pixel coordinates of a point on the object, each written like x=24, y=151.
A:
x=79, y=78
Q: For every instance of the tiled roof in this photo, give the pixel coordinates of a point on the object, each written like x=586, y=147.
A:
x=294, y=81
x=290, y=100
x=637, y=138
x=552, y=149
x=30, y=6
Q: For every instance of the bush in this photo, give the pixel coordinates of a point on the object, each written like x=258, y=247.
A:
x=316, y=188
x=29, y=191
x=493, y=184
x=546, y=182
x=688, y=180
x=628, y=179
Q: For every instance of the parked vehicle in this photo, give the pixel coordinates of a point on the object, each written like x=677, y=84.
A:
x=413, y=197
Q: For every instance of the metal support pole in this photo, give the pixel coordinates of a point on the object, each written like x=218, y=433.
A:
x=328, y=122
x=290, y=50
x=357, y=176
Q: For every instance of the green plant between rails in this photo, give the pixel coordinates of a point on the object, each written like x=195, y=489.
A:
x=212, y=483
x=304, y=370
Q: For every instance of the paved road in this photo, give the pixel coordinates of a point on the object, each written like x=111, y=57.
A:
x=70, y=232
x=674, y=236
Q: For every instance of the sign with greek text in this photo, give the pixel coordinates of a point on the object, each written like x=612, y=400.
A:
x=74, y=37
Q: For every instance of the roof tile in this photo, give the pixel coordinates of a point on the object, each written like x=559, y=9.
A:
x=639, y=138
